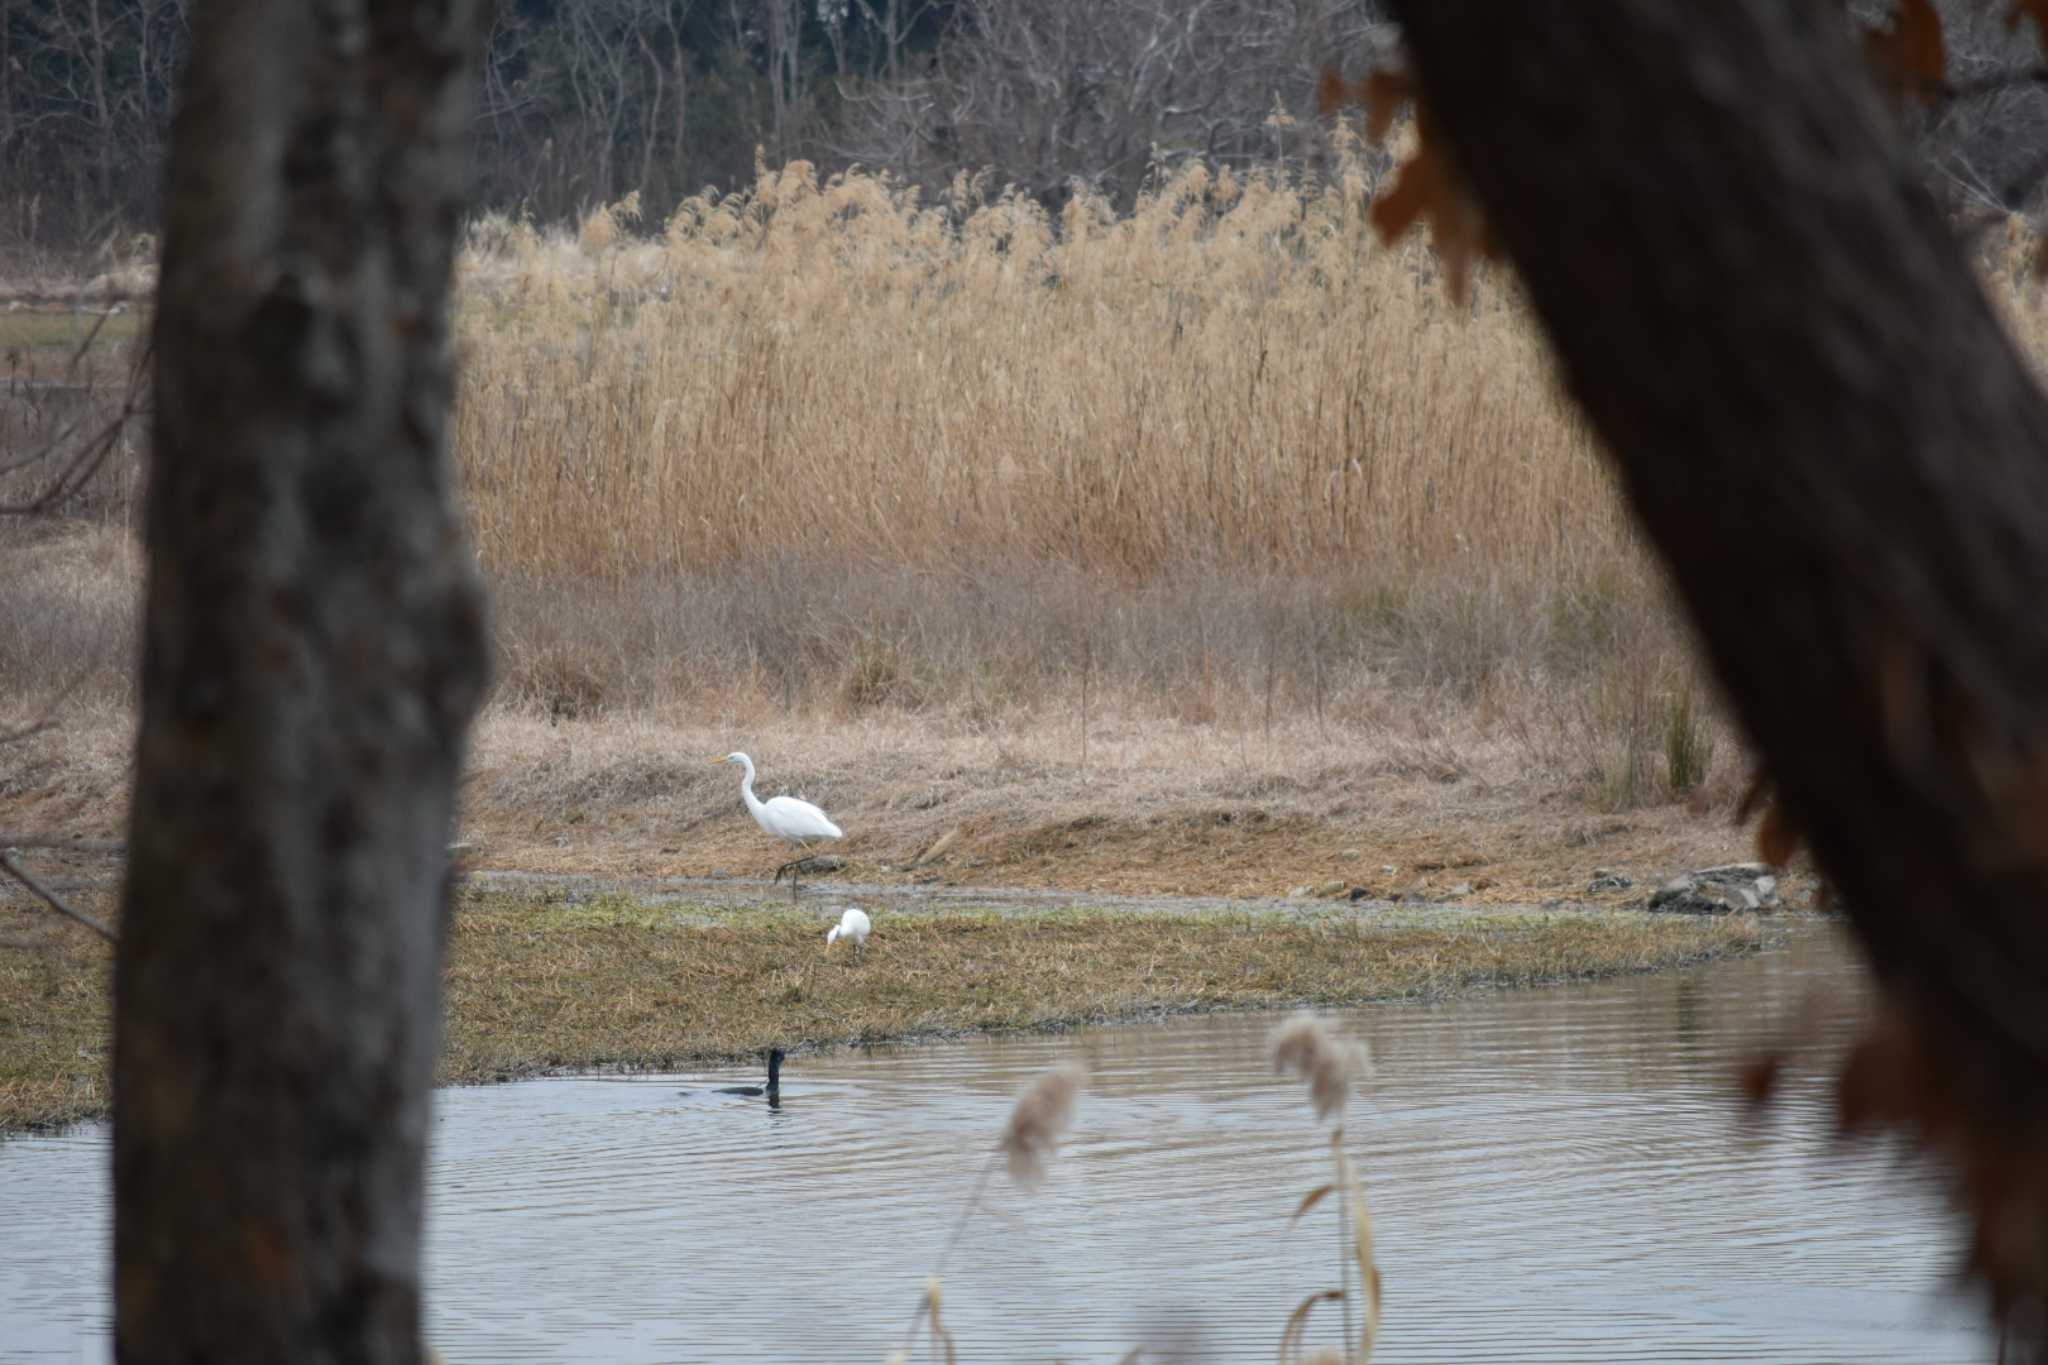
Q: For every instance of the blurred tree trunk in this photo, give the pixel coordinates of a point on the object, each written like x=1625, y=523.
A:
x=313, y=653
x=1834, y=447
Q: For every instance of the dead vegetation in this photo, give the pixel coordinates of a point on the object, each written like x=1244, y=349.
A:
x=1422, y=804
x=829, y=452
x=1205, y=548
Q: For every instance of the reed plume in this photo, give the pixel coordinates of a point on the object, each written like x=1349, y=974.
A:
x=1303, y=1046
x=1028, y=1140
x=1041, y=1115
x=1331, y=1067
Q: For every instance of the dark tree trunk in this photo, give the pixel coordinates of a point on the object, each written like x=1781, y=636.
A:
x=313, y=652
x=1829, y=438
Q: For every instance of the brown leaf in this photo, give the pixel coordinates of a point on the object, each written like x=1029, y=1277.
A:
x=1900, y=676
x=1297, y=1322
x=1910, y=53
x=1386, y=90
x=1894, y=1077
x=1753, y=796
x=1334, y=93
x=1416, y=188
x=1885, y=1082
x=1428, y=186
x=2023, y=802
x=1381, y=94
x=1759, y=1076
x=1309, y=1201
x=1776, y=839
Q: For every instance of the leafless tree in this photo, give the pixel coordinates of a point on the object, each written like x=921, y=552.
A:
x=894, y=21
x=1045, y=93
x=313, y=651
x=1987, y=144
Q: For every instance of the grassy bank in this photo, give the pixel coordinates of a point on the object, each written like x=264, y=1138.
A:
x=537, y=984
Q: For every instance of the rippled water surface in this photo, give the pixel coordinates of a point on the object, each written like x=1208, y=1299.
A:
x=1556, y=1175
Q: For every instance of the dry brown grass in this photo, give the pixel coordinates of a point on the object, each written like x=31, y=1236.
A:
x=536, y=984
x=825, y=452
x=1415, y=794
x=828, y=448
x=1236, y=373
x=68, y=613
x=961, y=517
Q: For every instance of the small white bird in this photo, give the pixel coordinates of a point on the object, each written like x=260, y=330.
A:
x=853, y=926
x=785, y=817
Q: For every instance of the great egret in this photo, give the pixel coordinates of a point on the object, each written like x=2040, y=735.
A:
x=774, y=1086
x=785, y=817
x=853, y=926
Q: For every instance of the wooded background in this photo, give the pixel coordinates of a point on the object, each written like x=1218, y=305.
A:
x=583, y=103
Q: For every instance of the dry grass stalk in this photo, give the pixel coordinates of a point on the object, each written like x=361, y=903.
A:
x=942, y=1339
x=1304, y=1047
x=1036, y=1121
x=1297, y=1325
x=1361, y=1240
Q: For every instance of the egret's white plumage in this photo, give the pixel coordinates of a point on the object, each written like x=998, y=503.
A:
x=785, y=817
x=853, y=926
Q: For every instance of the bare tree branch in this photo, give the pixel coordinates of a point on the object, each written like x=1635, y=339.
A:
x=49, y=898
x=70, y=843
x=78, y=468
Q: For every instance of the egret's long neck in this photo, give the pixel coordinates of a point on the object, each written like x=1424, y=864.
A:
x=747, y=785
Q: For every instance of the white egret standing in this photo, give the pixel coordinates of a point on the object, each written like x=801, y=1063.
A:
x=853, y=926
x=785, y=817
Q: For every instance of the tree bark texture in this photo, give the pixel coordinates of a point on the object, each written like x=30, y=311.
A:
x=313, y=653
x=1832, y=443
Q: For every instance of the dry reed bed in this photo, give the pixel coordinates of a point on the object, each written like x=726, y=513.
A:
x=535, y=984
x=826, y=449
x=815, y=456
x=1235, y=372
x=831, y=447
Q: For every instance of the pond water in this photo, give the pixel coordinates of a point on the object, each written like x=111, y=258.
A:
x=1555, y=1175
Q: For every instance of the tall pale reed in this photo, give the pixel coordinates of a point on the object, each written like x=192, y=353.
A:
x=1234, y=373
x=1332, y=1069
x=1032, y=1131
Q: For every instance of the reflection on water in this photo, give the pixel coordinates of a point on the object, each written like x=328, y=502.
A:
x=1556, y=1175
